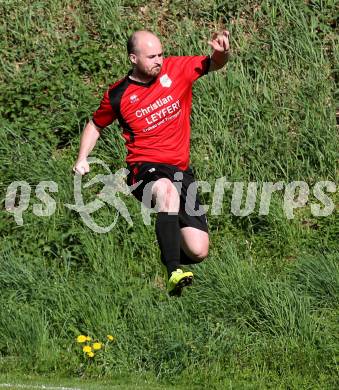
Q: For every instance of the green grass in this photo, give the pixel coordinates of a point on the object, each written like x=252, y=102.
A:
x=263, y=310
x=33, y=382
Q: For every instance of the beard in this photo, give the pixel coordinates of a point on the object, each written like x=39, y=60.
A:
x=153, y=72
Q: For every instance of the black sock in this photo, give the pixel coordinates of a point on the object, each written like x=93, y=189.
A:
x=168, y=235
x=184, y=259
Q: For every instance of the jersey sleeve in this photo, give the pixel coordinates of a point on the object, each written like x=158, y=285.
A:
x=194, y=67
x=104, y=115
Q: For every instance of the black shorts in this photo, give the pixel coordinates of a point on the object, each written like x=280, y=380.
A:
x=191, y=214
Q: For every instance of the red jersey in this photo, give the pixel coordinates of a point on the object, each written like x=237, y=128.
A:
x=155, y=116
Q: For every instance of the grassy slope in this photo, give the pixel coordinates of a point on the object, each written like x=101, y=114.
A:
x=262, y=312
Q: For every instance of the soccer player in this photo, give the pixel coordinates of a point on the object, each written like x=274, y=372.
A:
x=153, y=104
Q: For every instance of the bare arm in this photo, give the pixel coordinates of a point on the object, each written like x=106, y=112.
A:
x=88, y=140
x=221, y=50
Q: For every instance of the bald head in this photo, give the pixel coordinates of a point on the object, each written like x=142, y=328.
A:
x=141, y=40
x=145, y=53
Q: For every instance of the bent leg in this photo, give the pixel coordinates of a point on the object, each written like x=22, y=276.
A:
x=166, y=198
x=194, y=244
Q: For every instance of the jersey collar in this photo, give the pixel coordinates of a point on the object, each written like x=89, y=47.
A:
x=148, y=84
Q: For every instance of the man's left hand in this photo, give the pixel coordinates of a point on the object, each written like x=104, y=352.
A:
x=220, y=41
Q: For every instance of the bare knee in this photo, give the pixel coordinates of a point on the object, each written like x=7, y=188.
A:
x=165, y=196
x=200, y=256
x=199, y=253
x=195, y=243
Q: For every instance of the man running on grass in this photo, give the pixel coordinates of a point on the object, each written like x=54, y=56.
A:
x=153, y=105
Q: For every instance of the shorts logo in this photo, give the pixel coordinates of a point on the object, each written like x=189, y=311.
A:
x=165, y=81
x=133, y=98
x=151, y=170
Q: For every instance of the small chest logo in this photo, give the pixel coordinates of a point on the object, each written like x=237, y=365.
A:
x=165, y=81
x=133, y=98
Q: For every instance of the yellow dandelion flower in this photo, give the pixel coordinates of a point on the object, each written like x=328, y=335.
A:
x=88, y=338
x=97, y=346
x=81, y=338
x=110, y=337
x=90, y=354
x=87, y=348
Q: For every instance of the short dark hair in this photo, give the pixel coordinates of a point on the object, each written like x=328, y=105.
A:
x=131, y=44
